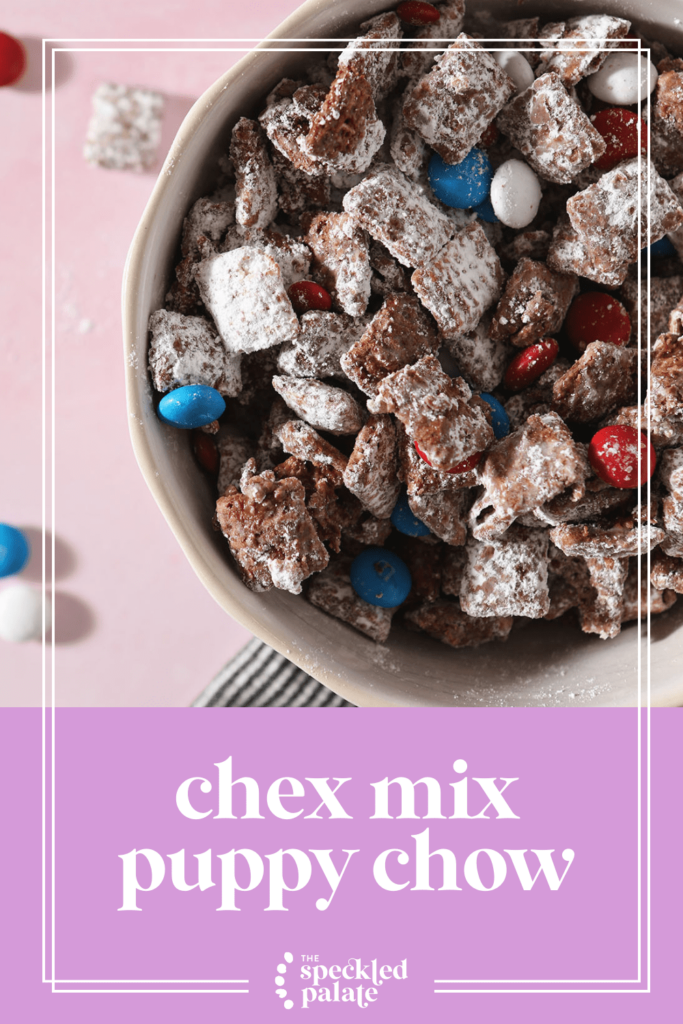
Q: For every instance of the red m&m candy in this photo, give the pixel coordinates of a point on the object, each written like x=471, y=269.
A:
x=305, y=295
x=530, y=363
x=613, y=454
x=12, y=59
x=597, y=316
x=205, y=450
x=619, y=129
x=415, y=12
x=462, y=467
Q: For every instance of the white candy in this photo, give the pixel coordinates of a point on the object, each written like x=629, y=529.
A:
x=515, y=194
x=21, y=613
x=517, y=67
x=622, y=79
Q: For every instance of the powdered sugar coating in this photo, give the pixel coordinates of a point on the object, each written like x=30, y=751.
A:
x=416, y=59
x=323, y=340
x=210, y=217
x=244, y=293
x=341, y=261
x=618, y=539
x=255, y=184
x=331, y=590
x=187, y=350
x=603, y=378
x=300, y=439
x=371, y=56
x=572, y=57
x=324, y=407
x=292, y=256
x=234, y=449
x=125, y=128
x=534, y=303
x=603, y=614
x=372, y=467
x=440, y=500
x=508, y=576
x=446, y=621
x=481, y=360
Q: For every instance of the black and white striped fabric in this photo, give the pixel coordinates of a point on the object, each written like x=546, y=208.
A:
x=259, y=677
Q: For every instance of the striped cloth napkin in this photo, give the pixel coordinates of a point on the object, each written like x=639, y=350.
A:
x=259, y=677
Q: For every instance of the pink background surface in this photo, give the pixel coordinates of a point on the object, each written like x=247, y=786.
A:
x=134, y=626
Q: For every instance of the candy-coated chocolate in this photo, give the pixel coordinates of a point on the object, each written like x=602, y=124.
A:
x=613, y=454
x=486, y=212
x=530, y=363
x=205, y=451
x=623, y=79
x=462, y=185
x=194, y=405
x=500, y=421
x=462, y=467
x=517, y=67
x=12, y=59
x=662, y=247
x=306, y=295
x=14, y=550
x=418, y=13
x=405, y=521
x=619, y=129
x=515, y=194
x=21, y=613
x=380, y=577
x=597, y=316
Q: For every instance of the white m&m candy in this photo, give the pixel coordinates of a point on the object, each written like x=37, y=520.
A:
x=515, y=194
x=517, y=67
x=622, y=79
x=21, y=613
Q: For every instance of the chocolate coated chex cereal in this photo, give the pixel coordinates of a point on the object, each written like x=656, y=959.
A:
x=603, y=614
x=526, y=469
x=322, y=340
x=125, y=128
x=291, y=255
x=619, y=539
x=551, y=130
x=371, y=55
x=481, y=360
x=572, y=58
x=666, y=572
x=437, y=411
x=604, y=377
x=399, y=334
x=255, y=185
x=210, y=217
x=566, y=509
x=667, y=114
x=407, y=147
x=331, y=590
x=271, y=535
x=341, y=261
x=452, y=105
x=397, y=212
x=461, y=282
x=507, y=576
x=439, y=500
x=416, y=59
x=288, y=120
x=444, y=620
x=664, y=294
x=371, y=470
x=637, y=602
x=664, y=402
x=569, y=583
x=452, y=568
x=345, y=133
x=670, y=471
x=534, y=303
x=569, y=254
x=368, y=530
x=324, y=407
x=300, y=439
x=234, y=449
x=424, y=563
x=187, y=350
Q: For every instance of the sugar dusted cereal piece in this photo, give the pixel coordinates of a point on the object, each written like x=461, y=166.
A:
x=125, y=128
x=288, y=120
x=440, y=500
x=507, y=576
x=183, y=295
x=457, y=100
x=234, y=449
x=453, y=567
x=398, y=213
x=324, y=407
x=667, y=113
x=332, y=592
x=526, y=469
x=598, y=499
x=637, y=602
x=292, y=256
x=670, y=471
x=481, y=360
x=568, y=583
x=603, y=614
x=406, y=145
x=271, y=535
x=400, y=333
x=618, y=539
x=534, y=303
x=667, y=572
x=417, y=58
x=244, y=293
x=572, y=57
x=371, y=55
x=322, y=341
x=345, y=133
x=210, y=217
x=341, y=261
x=300, y=439
x=570, y=255
x=664, y=292
x=367, y=531
x=372, y=466
x=187, y=350
x=255, y=183
x=603, y=378
x=672, y=514
x=664, y=402
x=444, y=620
x=438, y=412
x=299, y=192
x=460, y=284
x=551, y=130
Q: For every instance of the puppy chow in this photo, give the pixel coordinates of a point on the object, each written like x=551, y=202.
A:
x=534, y=303
x=604, y=377
x=331, y=590
x=618, y=539
x=440, y=500
x=507, y=576
x=371, y=472
x=416, y=59
x=210, y=217
x=322, y=406
x=481, y=360
x=322, y=341
x=301, y=440
x=255, y=182
x=125, y=128
x=571, y=56
x=187, y=350
x=341, y=260
x=371, y=55
x=445, y=620
x=603, y=615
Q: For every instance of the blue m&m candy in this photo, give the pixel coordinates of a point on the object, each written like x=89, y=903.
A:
x=662, y=247
x=486, y=212
x=194, y=405
x=405, y=521
x=500, y=421
x=380, y=577
x=462, y=185
x=14, y=550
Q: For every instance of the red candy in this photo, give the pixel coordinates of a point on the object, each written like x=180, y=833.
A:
x=619, y=129
x=613, y=454
x=488, y=136
x=597, y=316
x=463, y=467
x=205, y=451
x=12, y=59
x=305, y=295
x=530, y=364
x=415, y=12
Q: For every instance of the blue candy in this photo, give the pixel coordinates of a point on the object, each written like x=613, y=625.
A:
x=14, y=550
x=195, y=405
x=405, y=521
x=380, y=577
x=500, y=421
x=461, y=185
x=485, y=212
x=663, y=247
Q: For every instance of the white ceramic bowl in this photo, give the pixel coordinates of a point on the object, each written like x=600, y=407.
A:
x=548, y=664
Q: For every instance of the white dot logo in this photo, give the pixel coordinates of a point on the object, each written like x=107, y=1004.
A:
x=280, y=981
